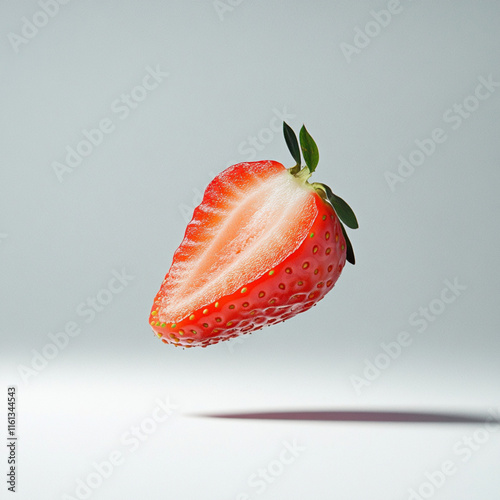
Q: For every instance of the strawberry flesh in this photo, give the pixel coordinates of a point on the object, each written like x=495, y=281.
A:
x=252, y=217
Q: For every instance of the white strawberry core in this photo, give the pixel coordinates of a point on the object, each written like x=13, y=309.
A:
x=248, y=233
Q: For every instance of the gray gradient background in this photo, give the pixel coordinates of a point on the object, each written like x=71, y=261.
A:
x=124, y=208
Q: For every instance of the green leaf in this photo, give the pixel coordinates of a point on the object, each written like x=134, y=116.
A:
x=349, y=251
x=309, y=149
x=342, y=209
x=292, y=143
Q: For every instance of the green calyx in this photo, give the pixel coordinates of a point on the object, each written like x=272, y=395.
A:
x=311, y=158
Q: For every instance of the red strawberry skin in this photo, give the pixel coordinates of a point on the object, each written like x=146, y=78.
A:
x=292, y=286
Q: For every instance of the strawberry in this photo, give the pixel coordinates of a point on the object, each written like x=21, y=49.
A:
x=263, y=246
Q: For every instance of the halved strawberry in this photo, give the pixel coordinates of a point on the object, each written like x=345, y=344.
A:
x=262, y=246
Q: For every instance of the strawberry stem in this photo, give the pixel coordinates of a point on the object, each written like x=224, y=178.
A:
x=303, y=175
x=311, y=158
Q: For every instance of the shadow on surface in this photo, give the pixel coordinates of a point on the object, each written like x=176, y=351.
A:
x=363, y=416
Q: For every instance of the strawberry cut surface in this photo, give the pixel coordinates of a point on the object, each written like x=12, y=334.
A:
x=252, y=217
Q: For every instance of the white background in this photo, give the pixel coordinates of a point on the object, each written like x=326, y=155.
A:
x=233, y=73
